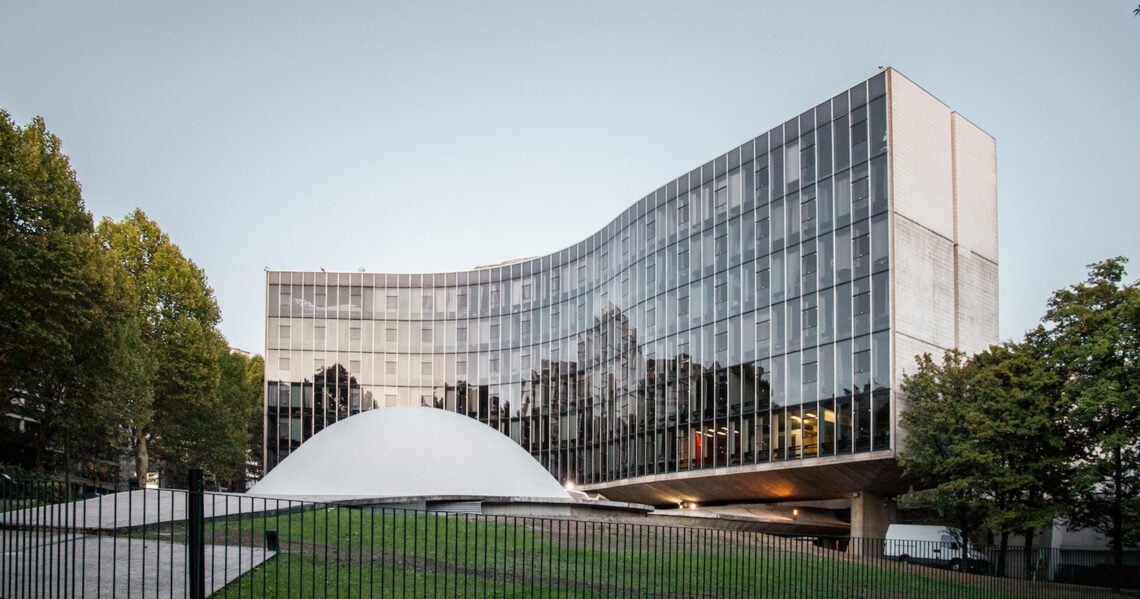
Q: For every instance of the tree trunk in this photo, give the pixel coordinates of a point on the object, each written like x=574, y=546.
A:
x=1027, y=554
x=67, y=465
x=1117, y=522
x=967, y=529
x=142, y=460
x=1003, y=546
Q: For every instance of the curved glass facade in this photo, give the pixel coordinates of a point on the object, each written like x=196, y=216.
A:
x=740, y=314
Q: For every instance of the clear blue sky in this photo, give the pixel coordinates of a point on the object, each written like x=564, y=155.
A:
x=438, y=136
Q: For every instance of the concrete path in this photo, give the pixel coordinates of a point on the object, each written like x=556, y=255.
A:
x=138, y=508
x=84, y=565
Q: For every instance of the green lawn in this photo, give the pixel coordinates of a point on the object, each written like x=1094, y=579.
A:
x=344, y=552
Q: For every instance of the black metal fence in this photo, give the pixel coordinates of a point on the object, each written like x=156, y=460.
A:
x=168, y=543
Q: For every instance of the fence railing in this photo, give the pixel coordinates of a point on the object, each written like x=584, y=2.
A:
x=144, y=544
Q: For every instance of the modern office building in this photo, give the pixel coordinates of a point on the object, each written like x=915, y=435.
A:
x=738, y=334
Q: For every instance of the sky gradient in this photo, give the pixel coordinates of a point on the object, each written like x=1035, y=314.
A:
x=438, y=136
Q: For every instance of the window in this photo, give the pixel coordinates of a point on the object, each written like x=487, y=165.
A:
x=683, y=210
x=807, y=158
x=461, y=336
x=721, y=293
x=494, y=297
x=392, y=300
x=762, y=229
x=354, y=332
x=462, y=301
x=319, y=331
x=809, y=264
x=863, y=361
x=763, y=331
x=390, y=334
x=859, y=131
x=650, y=230
x=425, y=368
x=811, y=318
x=683, y=307
x=722, y=245
x=494, y=332
x=862, y=303
x=461, y=368
x=811, y=372
x=762, y=183
x=683, y=260
x=428, y=301
x=526, y=292
x=390, y=367
x=792, y=162
x=861, y=246
x=807, y=212
x=495, y=364
x=283, y=363
x=354, y=366
x=860, y=191
x=284, y=332
x=426, y=334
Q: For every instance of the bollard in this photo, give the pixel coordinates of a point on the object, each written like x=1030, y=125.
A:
x=271, y=543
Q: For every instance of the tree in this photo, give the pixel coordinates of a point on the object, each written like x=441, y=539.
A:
x=238, y=412
x=178, y=316
x=67, y=354
x=1092, y=331
x=1019, y=430
x=941, y=454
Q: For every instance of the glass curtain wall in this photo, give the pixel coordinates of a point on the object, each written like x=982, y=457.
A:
x=737, y=315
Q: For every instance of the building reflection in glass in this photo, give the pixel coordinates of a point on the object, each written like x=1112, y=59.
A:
x=737, y=315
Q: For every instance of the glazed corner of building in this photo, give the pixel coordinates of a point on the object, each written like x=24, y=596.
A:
x=941, y=223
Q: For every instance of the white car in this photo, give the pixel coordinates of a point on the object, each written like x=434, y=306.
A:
x=932, y=545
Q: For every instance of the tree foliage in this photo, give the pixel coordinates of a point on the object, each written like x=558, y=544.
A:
x=108, y=334
x=1023, y=432
x=1092, y=332
x=238, y=411
x=1019, y=428
x=68, y=342
x=179, y=316
x=940, y=454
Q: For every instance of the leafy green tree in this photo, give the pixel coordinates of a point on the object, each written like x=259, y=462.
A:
x=238, y=414
x=255, y=423
x=178, y=316
x=940, y=454
x=1092, y=331
x=1017, y=424
x=68, y=357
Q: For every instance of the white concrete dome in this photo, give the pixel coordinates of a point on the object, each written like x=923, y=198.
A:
x=409, y=452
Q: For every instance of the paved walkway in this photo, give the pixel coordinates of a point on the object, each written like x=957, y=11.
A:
x=137, y=508
x=84, y=565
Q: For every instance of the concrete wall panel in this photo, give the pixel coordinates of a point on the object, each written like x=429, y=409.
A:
x=922, y=167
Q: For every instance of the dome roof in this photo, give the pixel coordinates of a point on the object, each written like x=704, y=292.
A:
x=409, y=452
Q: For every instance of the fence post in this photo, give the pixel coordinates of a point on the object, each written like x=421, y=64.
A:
x=195, y=543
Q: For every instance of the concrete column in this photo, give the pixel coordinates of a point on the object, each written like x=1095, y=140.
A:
x=870, y=516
